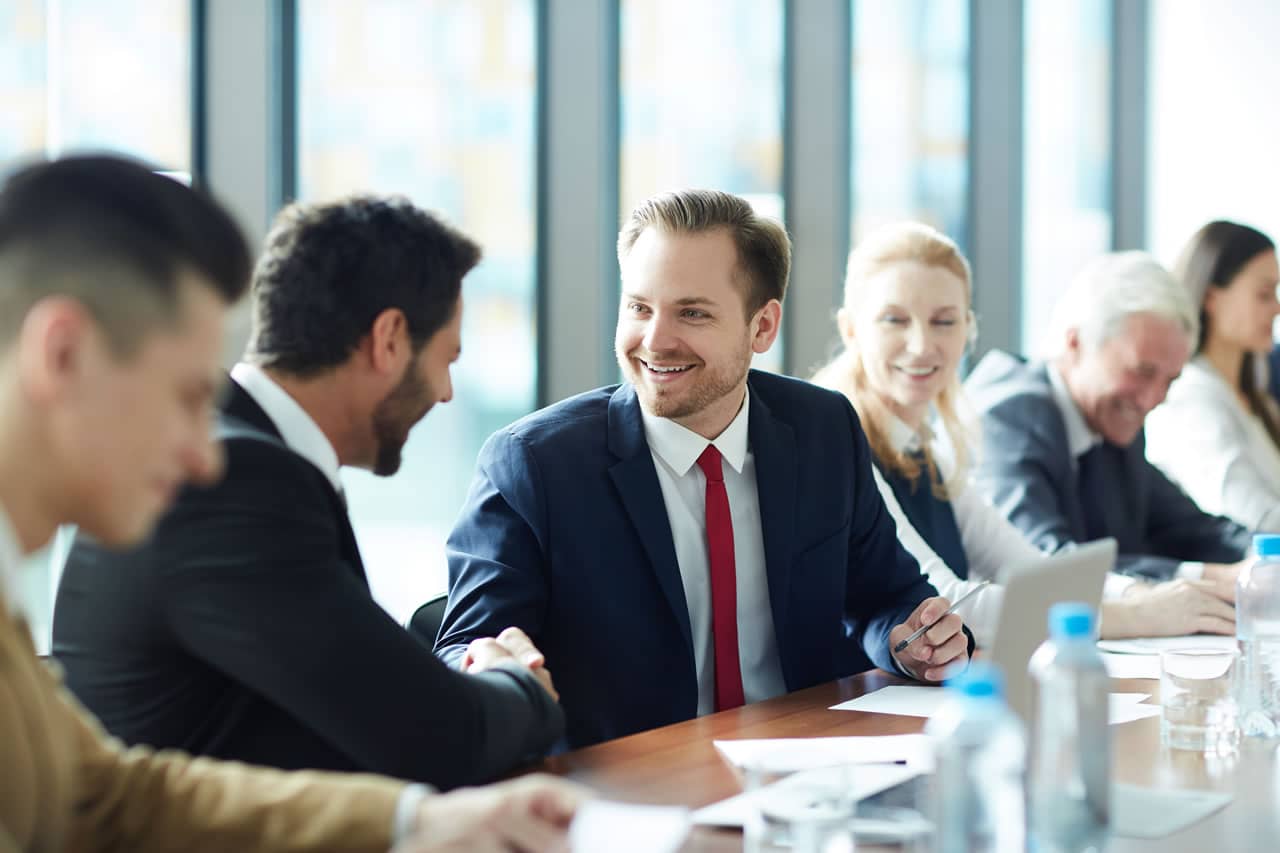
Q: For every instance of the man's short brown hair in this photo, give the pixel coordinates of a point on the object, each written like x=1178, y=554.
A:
x=764, y=249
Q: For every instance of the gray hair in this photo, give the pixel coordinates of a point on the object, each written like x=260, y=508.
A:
x=1108, y=291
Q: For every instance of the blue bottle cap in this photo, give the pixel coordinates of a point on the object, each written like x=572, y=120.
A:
x=1071, y=620
x=1266, y=545
x=981, y=680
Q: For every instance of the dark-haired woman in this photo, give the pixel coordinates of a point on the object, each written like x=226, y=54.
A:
x=1218, y=432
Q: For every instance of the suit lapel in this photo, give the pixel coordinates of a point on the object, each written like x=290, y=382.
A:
x=1074, y=497
x=773, y=444
x=240, y=406
x=637, y=484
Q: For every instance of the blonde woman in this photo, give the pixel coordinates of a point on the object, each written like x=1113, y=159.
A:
x=905, y=324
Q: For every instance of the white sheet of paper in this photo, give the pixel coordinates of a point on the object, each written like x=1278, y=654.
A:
x=868, y=779
x=604, y=825
x=1151, y=813
x=913, y=701
x=1125, y=708
x=1156, y=645
x=904, y=700
x=803, y=753
x=1131, y=666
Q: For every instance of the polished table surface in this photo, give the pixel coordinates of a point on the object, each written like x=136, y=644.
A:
x=677, y=765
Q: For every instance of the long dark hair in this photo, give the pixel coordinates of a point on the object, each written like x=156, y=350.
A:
x=1213, y=258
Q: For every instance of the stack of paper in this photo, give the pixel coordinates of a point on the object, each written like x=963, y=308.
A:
x=1131, y=666
x=918, y=701
x=1150, y=813
x=804, y=753
x=868, y=779
x=622, y=828
x=1156, y=645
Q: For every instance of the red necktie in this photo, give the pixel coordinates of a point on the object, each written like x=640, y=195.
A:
x=724, y=585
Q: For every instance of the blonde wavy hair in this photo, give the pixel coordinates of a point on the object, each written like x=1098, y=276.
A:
x=904, y=242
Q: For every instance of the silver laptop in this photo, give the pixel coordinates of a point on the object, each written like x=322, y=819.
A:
x=1030, y=589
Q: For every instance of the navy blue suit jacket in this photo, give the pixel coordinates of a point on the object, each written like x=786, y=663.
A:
x=565, y=534
x=1027, y=470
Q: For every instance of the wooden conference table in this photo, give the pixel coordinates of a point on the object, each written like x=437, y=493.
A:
x=677, y=765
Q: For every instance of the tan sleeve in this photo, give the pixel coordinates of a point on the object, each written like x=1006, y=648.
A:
x=141, y=800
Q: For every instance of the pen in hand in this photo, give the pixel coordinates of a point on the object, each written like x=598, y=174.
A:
x=920, y=632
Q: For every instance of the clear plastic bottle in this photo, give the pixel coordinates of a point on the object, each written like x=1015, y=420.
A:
x=1258, y=635
x=1070, y=776
x=978, y=798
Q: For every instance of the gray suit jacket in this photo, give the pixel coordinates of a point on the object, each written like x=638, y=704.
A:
x=1026, y=469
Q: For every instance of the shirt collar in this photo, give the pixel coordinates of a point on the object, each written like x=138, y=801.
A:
x=1080, y=438
x=904, y=439
x=299, y=430
x=680, y=447
x=10, y=563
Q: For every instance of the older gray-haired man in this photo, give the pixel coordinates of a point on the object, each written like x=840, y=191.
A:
x=1063, y=450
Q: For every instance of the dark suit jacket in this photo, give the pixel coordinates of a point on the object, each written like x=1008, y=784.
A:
x=1027, y=470
x=565, y=534
x=245, y=629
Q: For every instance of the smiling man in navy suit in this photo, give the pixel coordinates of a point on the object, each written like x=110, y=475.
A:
x=702, y=535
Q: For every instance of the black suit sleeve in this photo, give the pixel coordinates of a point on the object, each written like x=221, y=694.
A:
x=885, y=582
x=255, y=586
x=1176, y=526
x=1023, y=471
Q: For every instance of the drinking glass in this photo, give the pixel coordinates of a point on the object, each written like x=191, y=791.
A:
x=1197, y=698
x=808, y=811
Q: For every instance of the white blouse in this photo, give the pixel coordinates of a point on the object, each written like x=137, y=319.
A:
x=1216, y=450
x=990, y=542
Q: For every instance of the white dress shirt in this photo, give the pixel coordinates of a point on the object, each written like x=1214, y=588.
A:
x=303, y=436
x=990, y=541
x=684, y=486
x=1218, y=451
x=1081, y=439
x=299, y=430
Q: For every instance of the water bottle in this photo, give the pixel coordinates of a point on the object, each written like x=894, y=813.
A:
x=1070, y=777
x=978, y=798
x=1258, y=635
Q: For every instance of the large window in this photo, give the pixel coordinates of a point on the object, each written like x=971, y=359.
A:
x=1067, y=151
x=433, y=99
x=1213, y=123
x=702, y=103
x=81, y=74
x=910, y=114
x=91, y=75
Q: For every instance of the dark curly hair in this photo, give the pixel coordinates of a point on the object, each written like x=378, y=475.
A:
x=328, y=270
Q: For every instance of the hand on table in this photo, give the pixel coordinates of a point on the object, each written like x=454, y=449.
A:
x=942, y=651
x=1223, y=576
x=530, y=815
x=1171, y=609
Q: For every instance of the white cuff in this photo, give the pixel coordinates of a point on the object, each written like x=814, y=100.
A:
x=402, y=824
x=1116, y=585
x=1191, y=571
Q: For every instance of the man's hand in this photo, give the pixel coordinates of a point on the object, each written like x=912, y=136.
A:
x=941, y=650
x=511, y=645
x=1171, y=608
x=1223, y=577
x=530, y=814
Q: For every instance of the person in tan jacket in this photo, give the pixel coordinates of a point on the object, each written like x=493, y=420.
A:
x=113, y=286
